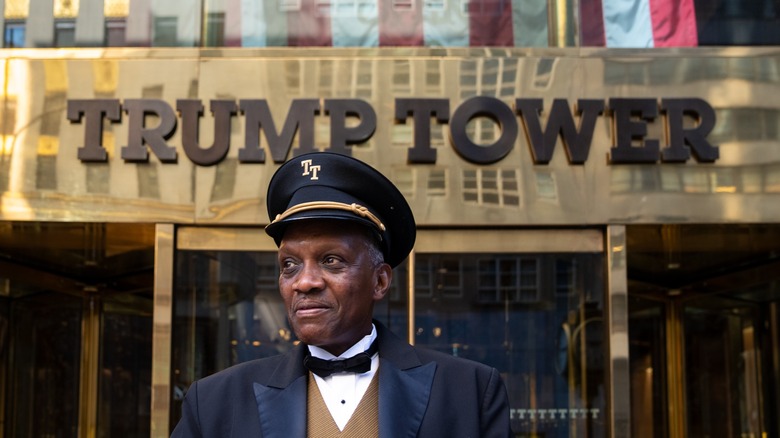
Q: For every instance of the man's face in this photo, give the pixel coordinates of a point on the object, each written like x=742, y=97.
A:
x=329, y=282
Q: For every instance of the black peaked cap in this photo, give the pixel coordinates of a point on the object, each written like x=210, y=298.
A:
x=324, y=185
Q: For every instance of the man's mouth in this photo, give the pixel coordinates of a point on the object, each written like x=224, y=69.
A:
x=303, y=310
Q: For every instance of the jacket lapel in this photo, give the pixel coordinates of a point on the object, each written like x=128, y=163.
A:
x=404, y=386
x=281, y=403
x=403, y=399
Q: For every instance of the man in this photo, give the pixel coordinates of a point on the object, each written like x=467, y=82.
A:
x=341, y=227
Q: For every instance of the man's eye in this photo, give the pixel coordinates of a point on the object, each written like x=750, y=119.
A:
x=287, y=265
x=330, y=260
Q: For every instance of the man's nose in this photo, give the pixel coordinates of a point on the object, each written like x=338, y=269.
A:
x=309, y=278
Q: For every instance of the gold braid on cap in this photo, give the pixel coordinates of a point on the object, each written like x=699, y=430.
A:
x=331, y=205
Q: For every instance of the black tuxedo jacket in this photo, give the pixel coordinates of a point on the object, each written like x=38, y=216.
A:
x=422, y=393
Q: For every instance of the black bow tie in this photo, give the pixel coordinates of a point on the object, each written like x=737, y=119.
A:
x=359, y=363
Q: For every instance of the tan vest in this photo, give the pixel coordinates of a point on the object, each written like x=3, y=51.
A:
x=363, y=423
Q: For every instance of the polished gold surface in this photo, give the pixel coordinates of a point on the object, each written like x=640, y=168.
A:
x=675, y=384
x=223, y=239
x=617, y=331
x=161, y=330
x=16, y=9
x=41, y=177
x=66, y=8
x=90, y=367
x=116, y=8
x=538, y=241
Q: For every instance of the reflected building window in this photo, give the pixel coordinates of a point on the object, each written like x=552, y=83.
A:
x=434, y=81
x=14, y=35
x=437, y=183
x=491, y=68
x=48, y=141
x=165, y=34
x=402, y=74
x=116, y=13
x=746, y=124
x=511, y=279
x=363, y=84
x=325, y=78
x=772, y=179
x=671, y=181
x=565, y=277
x=15, y=14
x=215, y=30
x=224, y=180
x=543, y=74
x=116, y=29
x=546, y=187
x=752, y=179
x=439, y=277
x=491, y=186
x=65, y=13
x=64, y=33
x=469, y=78
x=696, y=181
x=292, y=77
x=509, y=75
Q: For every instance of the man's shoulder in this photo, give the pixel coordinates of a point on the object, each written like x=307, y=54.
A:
x=257, y=370
x=447, y=360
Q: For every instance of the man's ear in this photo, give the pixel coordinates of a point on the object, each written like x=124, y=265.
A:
x=384, y=276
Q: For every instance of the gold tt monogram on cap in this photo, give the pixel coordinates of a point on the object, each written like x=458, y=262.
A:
x=310, y=169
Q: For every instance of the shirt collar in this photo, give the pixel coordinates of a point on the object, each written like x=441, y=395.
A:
x=359, y=347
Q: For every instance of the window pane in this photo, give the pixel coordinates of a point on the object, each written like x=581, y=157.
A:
x=215, y=29
x=537, y=318
x=165, y=32
x=14, y=35
x=64, y=34
x=115, y=32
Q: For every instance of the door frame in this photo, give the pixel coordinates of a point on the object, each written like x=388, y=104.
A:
x=609, y=240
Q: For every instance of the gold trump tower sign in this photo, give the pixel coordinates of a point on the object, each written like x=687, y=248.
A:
x=573, y=124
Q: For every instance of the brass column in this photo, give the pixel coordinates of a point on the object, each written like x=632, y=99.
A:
x=618, y=377
x=674, y=360
x=161, y=330
x=90, y=364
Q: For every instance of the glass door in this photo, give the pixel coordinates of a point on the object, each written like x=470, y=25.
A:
x=724, y=385
x=75, y=329
x=528, y=302
x=704, y=332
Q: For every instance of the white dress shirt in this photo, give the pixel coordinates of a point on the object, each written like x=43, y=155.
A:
x=343, y=391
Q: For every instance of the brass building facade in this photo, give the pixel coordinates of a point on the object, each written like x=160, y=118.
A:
x=617, y=296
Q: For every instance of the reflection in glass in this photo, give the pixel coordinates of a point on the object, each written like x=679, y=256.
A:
x=45, y=365
x=124, y=399
x=647, y=368
x=703, y=330
x=537, y=318
x=227, y=310
x=14, y=35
